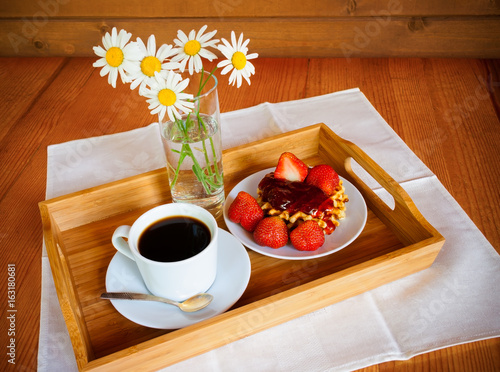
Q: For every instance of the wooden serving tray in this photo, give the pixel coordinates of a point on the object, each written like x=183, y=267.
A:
x=77, y=230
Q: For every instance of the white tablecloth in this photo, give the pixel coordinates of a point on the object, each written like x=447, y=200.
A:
x=455, y=301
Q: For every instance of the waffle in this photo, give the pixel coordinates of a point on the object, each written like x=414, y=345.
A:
x=296, y=202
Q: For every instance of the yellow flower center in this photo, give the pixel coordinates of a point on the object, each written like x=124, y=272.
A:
x=149, y=65
x=167, y=97
x=192, y=47
x=114, y=56
x=239, y=60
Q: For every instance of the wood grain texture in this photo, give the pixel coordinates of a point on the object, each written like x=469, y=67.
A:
x=427, y=88
x=389, y=36
x=22, y=92
x=238, y=8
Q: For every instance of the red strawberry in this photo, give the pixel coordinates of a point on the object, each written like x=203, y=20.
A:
x=324, y=177
x=246, y=211
x=290, y=168
x=271, y=232
x=308, y=236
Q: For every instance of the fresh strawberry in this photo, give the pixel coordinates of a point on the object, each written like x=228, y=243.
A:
x=271, y=232
x=246, y=211
x=324, y=177
x=290, y=168
x=308, y=236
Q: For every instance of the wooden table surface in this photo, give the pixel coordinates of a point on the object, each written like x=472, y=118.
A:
x=446, y=110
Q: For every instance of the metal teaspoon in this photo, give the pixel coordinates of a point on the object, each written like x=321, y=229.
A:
x=195, y=303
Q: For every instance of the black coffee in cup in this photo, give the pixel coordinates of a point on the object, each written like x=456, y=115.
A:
x=174, y=239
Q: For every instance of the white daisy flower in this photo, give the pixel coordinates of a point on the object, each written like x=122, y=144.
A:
x=191, y=48
x=237, y=59
x=151, y=61
x=116, y=57
x=165, y=96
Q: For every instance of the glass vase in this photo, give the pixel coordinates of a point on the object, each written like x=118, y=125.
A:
x=193, y=148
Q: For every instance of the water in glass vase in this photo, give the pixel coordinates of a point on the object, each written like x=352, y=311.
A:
x=194, y=161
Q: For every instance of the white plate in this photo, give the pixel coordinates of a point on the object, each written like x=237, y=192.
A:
x=233, y=274
x=348, y=230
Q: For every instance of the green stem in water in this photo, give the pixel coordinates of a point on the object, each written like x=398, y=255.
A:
x=204, y=175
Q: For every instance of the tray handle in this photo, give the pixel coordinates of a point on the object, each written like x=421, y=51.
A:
x=65, y=288
x=405, y=219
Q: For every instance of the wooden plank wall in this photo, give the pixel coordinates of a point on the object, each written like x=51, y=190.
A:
x=282, y=28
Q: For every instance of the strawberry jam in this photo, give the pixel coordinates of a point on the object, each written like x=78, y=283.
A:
x=294, y=196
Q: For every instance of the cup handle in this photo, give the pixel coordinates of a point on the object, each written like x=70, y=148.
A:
x=119, y=243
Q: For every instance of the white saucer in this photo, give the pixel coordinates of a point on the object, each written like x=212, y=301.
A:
x=348, y=230
x=233, y=274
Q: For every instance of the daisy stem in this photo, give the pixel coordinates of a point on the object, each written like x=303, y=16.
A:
x=201, y=123
x=197, y=169
x=187, y=151
x=204, y=82
x=215, y=171
x=204, y=175
x=177, y=170
x=200, y=120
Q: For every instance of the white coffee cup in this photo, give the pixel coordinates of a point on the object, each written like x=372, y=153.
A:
x=176, y=280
